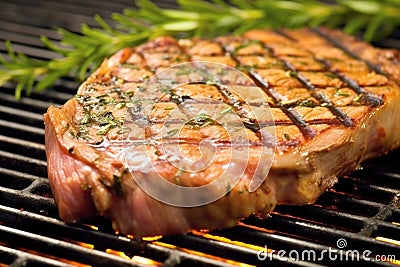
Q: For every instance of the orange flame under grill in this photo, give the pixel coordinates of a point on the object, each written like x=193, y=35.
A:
x=137, y=259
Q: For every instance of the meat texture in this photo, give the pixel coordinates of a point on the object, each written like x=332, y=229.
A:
x=334, y=100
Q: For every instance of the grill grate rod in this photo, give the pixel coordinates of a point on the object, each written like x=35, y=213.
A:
x=371, y=224
x=15, y=258
x=54, y=246
x=48, y=228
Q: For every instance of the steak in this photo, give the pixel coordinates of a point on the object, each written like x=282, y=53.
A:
x=333, y=99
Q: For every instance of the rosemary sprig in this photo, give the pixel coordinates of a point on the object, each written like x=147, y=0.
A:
x=82, y=52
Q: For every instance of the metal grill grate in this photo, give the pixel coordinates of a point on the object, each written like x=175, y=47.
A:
x=363, y=208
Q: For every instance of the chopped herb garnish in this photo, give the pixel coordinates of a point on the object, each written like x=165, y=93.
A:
x=330, y=75
x=226, y=110
x=291, y=73
x=340, y=92
x=118, y=80
x=81, y=133
x=169, y=108
x=357, y=98
x=307, y=103
x=208, y=122
x=104, y=129
x=127, y=94
x=120, y=105
x=200, y=121
x=102, y=96
x=244, y=68
x=72, y=134
x=166, y=89
x=287, y=136
x=85, y=118
x=96, y=113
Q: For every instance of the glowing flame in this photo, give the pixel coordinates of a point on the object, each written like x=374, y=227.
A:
x=118, y=253
x=142, y=260
x=388, y=240
x=82, y=244
x=227, y=240
x=152, y=238
x=86, y=245
x=137, y=259
x=90, y=226
x=94, y=227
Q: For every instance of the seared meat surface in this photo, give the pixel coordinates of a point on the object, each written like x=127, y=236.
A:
x=333, y=98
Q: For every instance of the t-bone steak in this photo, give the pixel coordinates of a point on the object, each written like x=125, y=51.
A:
x=335, y=102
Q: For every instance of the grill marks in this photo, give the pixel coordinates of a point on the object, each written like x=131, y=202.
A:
x=370, y=98
x=261, y=49
x=280, y=39
x=321, y=97
x=344, y=75
x=311, y=80
x=292, y=114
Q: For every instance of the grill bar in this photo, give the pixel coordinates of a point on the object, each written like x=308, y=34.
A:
x=15, y=257
x=51, y=246
x=48, y=227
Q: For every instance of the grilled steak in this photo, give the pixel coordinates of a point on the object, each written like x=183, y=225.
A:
x=334, y=100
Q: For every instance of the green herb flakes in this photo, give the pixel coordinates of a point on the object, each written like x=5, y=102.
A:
x=340, y=92
x=286, y=136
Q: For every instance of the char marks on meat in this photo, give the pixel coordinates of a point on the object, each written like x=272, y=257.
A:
x=334, y=100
